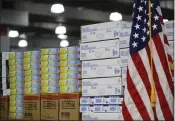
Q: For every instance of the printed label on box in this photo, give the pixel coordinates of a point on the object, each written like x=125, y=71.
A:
x=125, y=38
x=169, y=29
x=124, y=54
x=102, y=90
x=101, y=81
x=101, y=68
x=99, y=50
x=103, y=31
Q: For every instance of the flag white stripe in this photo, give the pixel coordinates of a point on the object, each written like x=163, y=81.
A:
x=162, y=78
x=138, y=82
x=145, y=59
x=130, y=105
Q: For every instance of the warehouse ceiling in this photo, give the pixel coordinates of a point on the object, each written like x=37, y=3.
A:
x=40, y=30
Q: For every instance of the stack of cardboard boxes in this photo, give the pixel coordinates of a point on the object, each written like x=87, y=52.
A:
x=70, y=70
x=4, y=86
x=49, y=84
x=4, y=78
x=102, y=86
x=32, y=72
x=16, y=73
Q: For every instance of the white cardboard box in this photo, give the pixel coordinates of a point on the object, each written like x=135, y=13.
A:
x=5, y=55
x=99, y=50
x=102, y=116
x=101, y=68
x=124, y=54
x=171, y=50
x=4, y=71
x=101, y=81
x=105, y=90
x=4, y=86
x=4, y=80
x=103, y=31
x=3, y=62
x=124, y=71
x=125, y=38
x=169, y=29
x=101, y=100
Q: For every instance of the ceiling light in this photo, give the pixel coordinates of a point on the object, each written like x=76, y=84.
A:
x=115, y=16
x=165, y=20
x=62, y=36
x=64, y=43
x=22, y=43
x=60, y=30
x=13, y=33
x=57, y=8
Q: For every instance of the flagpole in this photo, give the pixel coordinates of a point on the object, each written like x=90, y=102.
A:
x=153, y=93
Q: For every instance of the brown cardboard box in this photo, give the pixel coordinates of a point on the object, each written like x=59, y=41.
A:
x=69, y=106
x=49, y=106
x=32, y=107
x=4, y=108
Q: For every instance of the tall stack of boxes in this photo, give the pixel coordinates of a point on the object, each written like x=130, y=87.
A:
x=32, y=72
x=70, y=70
x=50, y=70
x=102, y=86
x=16, y=73
x=169, y=30
x=4, y=78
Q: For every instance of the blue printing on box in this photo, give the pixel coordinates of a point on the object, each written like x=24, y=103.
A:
x=71, y=82
x=52, y=83
x=77, y=68
x=53, y=89
x=35, y=72
x=73, y=75
x=36, y=90
x=74, y=49
x=19, y=97
x=20, y=91
x=73, y=88
x=19, y=115
x=19, y=102
x=53, y=57
x=73, y=62
x=19, y=66
x=20, y=72
x=36, y=78
x=53, y=64
x=54, y=50
x=55, y=70
x=75, y=55
x=19, y=109
x=37, y=52
x=19, y=54
x=35, y=65
x=18, y=85
x=20, y=78
x=53, y=76
x=36, y=84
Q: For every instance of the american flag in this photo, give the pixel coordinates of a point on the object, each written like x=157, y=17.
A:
x=137, y=95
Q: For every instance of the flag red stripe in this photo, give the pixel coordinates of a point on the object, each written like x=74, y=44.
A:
x=125, y=112
x=161, y=53
x=136, y=98
x=165, y=39
x=161, y=96
x=163, y=102
x=155, y=114
x=142, y=72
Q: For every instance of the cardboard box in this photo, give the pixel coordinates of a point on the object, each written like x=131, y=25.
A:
x=101, y=68
x=102, y=116
x=50, y=106
x=169, y=29
x=101, y=81
x=124, y=54
x=5, y=55
x=32, y=107
x=104, y=90
x=3, y=71
x=4, y=107
x=99, y=50
x=103, y=31
x=69, y=106
x=124, y=73
x=125, y=38
x=171, y=49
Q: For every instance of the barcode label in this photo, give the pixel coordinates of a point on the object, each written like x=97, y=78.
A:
x=65, y=114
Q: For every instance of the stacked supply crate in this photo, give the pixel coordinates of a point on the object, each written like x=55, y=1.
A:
x=70, y=70
x=50, y=70
x=102, y=88
x=16, y=73
x=4, y=78
x=32, y=72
